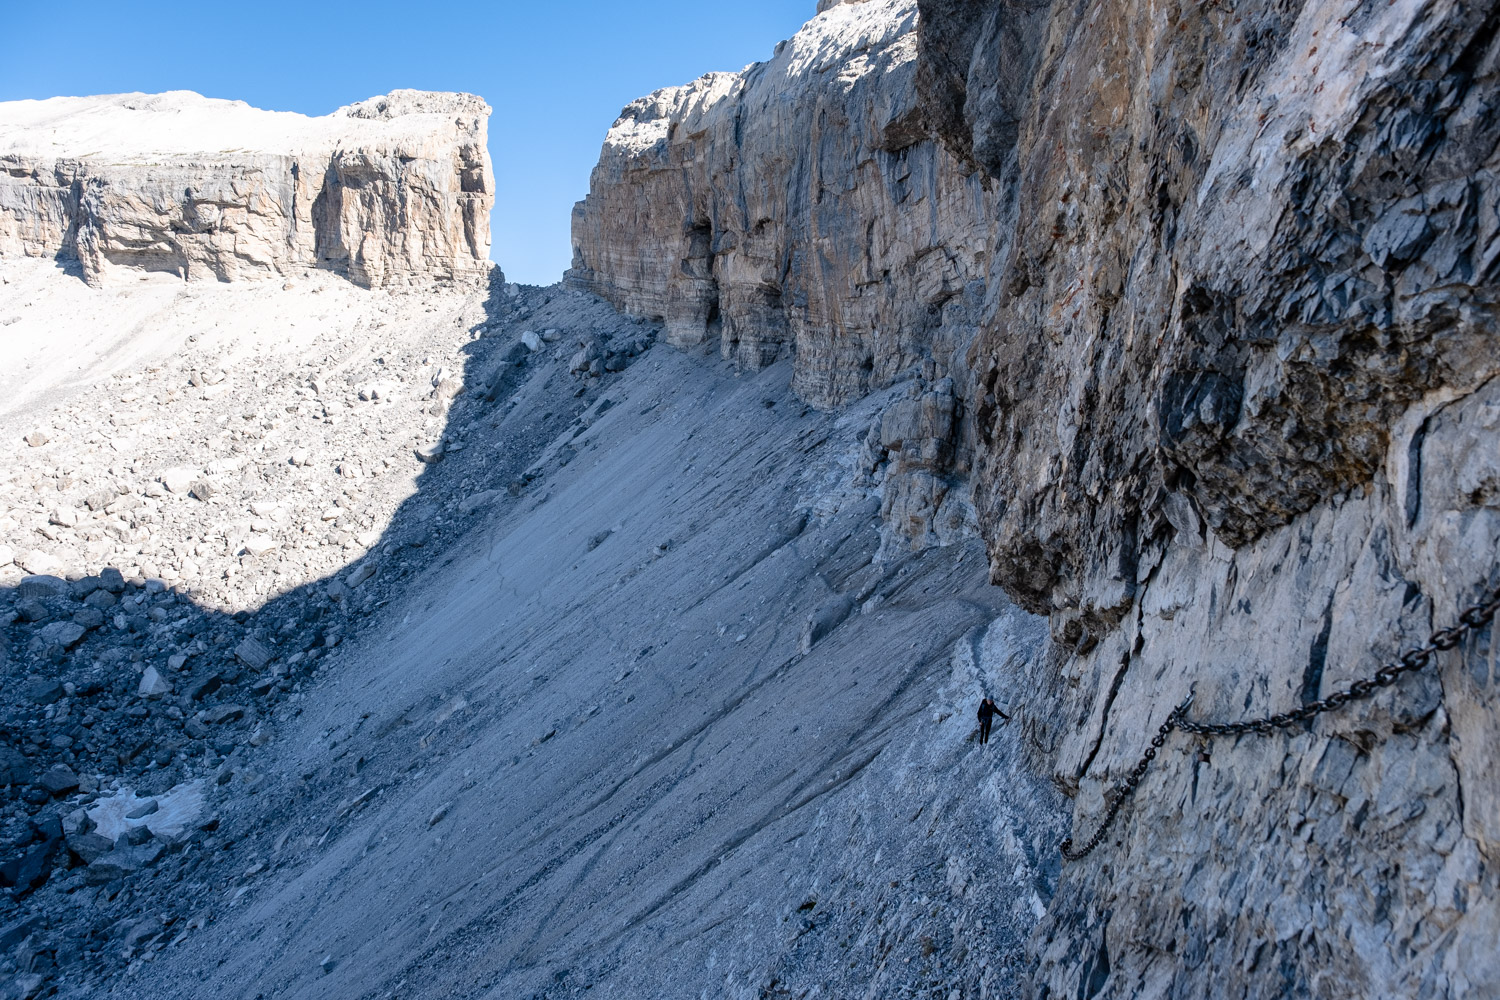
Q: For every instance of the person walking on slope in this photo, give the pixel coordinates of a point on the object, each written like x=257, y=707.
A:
x=987, y=712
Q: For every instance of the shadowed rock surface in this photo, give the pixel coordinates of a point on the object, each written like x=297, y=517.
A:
x=1221, y=400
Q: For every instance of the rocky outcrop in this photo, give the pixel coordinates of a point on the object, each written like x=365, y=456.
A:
x=1233, y=388
x=393, y=190
x=795, y=206
x=1216, y=357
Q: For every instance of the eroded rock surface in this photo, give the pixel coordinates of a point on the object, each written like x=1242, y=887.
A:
x=795, y=206
x=391, y=190
x=1217, y=375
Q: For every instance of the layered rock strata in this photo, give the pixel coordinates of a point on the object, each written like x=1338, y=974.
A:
x=388, y=191
x=1217, y=362
x=1235, y=410
x=795, y=206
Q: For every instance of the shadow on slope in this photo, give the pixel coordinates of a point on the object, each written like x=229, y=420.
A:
x=600, y=705
x=108, y=683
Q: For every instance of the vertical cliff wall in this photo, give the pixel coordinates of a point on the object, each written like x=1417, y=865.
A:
x=1199, y=300
x=795, y=206
x=391, y=190
x=1235, y=409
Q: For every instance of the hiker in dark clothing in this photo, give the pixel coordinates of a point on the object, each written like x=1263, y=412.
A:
x=987, y=712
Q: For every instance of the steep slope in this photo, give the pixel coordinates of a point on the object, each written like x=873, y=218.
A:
x=658, y=726
x=617, y=693
x=1224, y=379
x=392, y=190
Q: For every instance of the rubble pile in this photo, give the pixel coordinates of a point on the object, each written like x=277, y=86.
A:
x=182, y=551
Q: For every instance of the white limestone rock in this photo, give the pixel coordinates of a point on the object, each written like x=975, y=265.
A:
x=393, y=190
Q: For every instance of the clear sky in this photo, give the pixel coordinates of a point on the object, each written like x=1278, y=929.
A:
x=557, y=75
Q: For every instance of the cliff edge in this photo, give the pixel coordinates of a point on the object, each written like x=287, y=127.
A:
x=388, y=191
x=1196, y=308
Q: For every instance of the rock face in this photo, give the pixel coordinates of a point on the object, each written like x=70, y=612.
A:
x=1200, y=304
x=797, y=205
x=392, y=190
x=1232, y=391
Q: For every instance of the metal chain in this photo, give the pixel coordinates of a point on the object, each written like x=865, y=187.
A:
x=1474, y=617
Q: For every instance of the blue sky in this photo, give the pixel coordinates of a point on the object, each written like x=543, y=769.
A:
x=556, y=74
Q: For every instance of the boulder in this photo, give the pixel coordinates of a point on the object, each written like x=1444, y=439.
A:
x=64, y=634
x=42, y=585
x=89, y=847
x=101, y=599
x=15, y=769
x=44, y=690
x=58, y=780
x=88, y=618
x=123, y=861
x=253, y=653
x=179, y=480
x=221, y=714
x=204, y=685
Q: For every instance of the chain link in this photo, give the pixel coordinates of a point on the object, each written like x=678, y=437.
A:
x=1475, y=617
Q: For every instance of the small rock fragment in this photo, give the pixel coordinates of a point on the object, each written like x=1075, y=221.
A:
x=179, y=480
x=220, y=714
x=252, y=653
x=153, y=684
x=259, y=545
x=143, y=809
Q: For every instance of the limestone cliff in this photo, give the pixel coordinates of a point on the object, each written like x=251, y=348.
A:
x=388, y=191
x=1205, y=297
x=797, y=205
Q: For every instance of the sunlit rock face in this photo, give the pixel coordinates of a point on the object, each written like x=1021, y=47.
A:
x=390, y=191
x=798, y=205
x=1198, y=306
